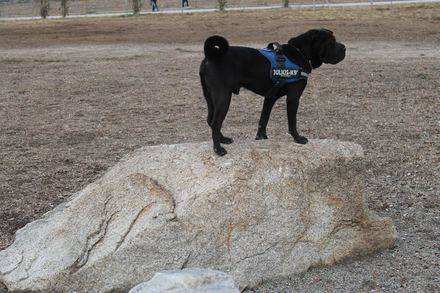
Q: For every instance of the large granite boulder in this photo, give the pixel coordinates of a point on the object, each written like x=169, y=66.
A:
x=267, y=209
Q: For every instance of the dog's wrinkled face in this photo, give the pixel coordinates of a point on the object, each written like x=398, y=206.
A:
x=319, y=46
x=325, y=47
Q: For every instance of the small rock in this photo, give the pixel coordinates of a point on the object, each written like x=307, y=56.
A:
x=192, y=280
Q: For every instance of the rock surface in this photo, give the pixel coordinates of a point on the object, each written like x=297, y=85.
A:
x=192, y=280
x=267, y=209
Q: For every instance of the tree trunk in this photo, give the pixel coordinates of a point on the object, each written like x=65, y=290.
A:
x=44, y=8
x=136, y=6
x=222, y=5
x=64, y=8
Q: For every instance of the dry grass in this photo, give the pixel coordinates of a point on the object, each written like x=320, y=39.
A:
x=404, y=23
x=101, y=6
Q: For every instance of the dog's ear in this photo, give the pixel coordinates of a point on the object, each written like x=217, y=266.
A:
x=316, y=41
x=311, y=45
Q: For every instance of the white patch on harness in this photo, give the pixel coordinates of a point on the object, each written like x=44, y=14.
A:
x=285, y=73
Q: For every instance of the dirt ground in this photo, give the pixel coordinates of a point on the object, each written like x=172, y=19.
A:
x=32, y=8
x=76, y=95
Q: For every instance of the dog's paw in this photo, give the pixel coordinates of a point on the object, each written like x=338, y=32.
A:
x=226, y=140
x=261, y=136
x=300, y=139
x=220, y=151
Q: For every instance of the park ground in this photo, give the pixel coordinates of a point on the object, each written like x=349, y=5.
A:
x=78, y=94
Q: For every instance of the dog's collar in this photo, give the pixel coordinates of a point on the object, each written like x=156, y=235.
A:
x=305, y=59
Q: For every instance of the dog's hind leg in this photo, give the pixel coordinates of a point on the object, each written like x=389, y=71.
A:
x=264, y=118
x=210, y=110
x=221, y=101
x=208, y=99
x=223, y=139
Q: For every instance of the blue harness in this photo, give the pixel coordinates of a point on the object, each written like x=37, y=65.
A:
x=282, y=69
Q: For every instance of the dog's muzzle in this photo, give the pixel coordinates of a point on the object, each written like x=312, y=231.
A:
x=337, y=55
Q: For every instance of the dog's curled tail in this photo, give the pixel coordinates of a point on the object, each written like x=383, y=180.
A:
x=215, y=47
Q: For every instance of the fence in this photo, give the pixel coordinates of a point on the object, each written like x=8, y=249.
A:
x=20, y=8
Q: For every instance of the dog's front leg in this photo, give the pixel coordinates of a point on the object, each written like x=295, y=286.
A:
x=293, y=97
x=264, y=118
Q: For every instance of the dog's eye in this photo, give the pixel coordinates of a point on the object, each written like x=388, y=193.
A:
x=217, y=47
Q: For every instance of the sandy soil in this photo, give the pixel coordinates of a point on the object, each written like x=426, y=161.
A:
x=404, y=23
x=75, y=97
x=32, y=8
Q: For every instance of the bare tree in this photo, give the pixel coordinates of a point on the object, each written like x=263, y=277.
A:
x=44, y=8
x=136, y=6
x=64, y=8
x=222, y=5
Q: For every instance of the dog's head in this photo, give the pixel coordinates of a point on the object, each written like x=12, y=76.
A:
x=320, y=46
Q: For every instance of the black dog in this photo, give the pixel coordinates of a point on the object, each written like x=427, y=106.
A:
x=226, y=69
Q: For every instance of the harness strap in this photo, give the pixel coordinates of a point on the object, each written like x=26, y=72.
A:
x=280, y=60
